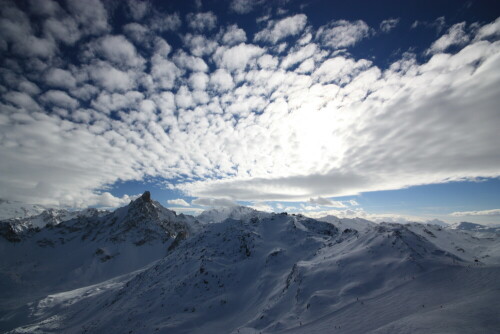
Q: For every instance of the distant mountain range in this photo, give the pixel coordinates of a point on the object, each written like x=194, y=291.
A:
x=145, y=269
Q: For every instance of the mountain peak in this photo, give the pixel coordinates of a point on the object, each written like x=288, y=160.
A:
x=146, y=196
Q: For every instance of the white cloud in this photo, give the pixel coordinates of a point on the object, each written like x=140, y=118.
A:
x=261, y=207
x=60, y=78
x=221, y=80
x=489, y=30
x=138, y=9
x=389, y=24
x=300, y=55
x=185, y=61
x=268, y=62
x=236, y=57
x=119, y=50
x=64, y=29
x=278, y=30
x=341, y=34
x=110, y=78
x=234, y=35
x=29, y=87
x=493, y=212
x=138, y=33
x=202, y=21
x=60, y=99
x=226, y=121
x=326, y=202
x=198, y=81
x=455, y=36
x=244, y=6
x=21, y=100
x=162, y=23
x=178, y=201
x=198, y=45
x=91, y=16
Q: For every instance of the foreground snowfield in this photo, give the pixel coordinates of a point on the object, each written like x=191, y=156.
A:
x=143, y=269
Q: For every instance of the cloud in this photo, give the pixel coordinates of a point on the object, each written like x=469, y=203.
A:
x=236, y=57
x=437, y=24
x=91, y=16
x=161, y=22
x=234, y=35
x=111, y=78
x=60, y=78
x=244, y=6
x=64, y=29
x=178, y=201
x=118, y=50
x=138, y=9
x=455, y=36
x=341, y=34
x=388, y=25
x=221, y=80
x=278, y=30
x=219, y=117
x=326, y=202
x=262, y=207
x=213, y=202
x=198, y=45
x=202, y=21
x=376, y=218
x=493, y=212
x=60, y=99
x=489, y=30
x=299, y=55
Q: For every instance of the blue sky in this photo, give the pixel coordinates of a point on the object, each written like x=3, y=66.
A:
x=385, y=110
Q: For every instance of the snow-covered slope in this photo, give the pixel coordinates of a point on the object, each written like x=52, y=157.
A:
x=12, y=209
x=358, y=224
x=283, y=273
x=84, y=250
x=17, y=227
x=466, y=226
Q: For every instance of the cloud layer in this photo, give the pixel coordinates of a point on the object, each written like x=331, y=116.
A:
x=280, y=115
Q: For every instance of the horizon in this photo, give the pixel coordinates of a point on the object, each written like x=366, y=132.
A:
x=383, y=111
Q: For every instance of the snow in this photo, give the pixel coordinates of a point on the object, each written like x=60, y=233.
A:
x=243, y=271
x=13, y=209
x=218, y=214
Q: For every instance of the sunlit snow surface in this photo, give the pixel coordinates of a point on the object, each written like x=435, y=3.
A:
x=252, y=273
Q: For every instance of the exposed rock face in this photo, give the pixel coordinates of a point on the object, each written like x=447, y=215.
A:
x=146, y=197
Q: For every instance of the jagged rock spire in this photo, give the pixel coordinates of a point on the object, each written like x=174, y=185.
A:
x=146, y=196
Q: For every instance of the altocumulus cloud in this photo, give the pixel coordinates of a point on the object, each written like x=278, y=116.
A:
x=277, y=115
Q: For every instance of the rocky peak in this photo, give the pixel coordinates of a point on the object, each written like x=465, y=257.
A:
x=146, y=197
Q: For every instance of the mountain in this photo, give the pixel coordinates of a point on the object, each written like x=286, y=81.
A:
x=84, y=250
x=14, y=209
x=358, y=224
x=472, y=227
x=219, y=214
x=16, y=228
x=253, y=273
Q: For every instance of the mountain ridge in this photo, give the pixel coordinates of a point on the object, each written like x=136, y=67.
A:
x=143, y=268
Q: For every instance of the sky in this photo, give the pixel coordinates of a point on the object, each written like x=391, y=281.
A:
x=385, y=110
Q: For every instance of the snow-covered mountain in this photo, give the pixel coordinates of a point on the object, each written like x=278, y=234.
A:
x=466, y=226
x=253, y=273
x=358, y=224
x=17, y=227
x=219, y=214
x=84, y=250
x=14, y=209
